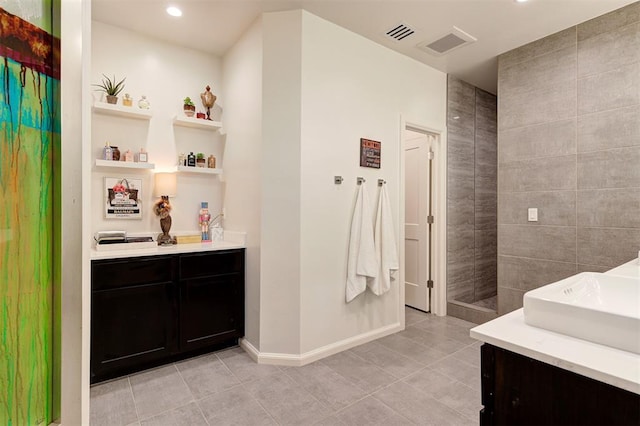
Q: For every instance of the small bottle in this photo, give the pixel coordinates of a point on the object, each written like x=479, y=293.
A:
x=143, y=103
x=141, y=157
x=182, y=159
x=107, y=152
x=127, y=100
x=115, y=156
x=211, y=162
x=191, y=160
x=128, y=156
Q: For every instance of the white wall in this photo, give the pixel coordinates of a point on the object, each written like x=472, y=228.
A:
x=242, y=75
x=280, y=242
x=166, y=74
x=352, y=88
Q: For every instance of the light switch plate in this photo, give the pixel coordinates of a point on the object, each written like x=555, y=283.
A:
x=533, y=215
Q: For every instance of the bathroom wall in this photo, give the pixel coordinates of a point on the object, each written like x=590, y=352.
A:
x=569, y=145
x=471, y=192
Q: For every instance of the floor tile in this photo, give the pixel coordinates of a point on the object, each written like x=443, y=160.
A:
x=159, y=390
x=470, y=355
x=206, y=375
x=439, y=342
x=112, y=404
x=448, y=391
x=419, y=407
x=410, y=348
x=412, y=316
x=327, y=386
x=459, y=370
x=364, y=374
x=234, y=407
x=330, y=421
x=188, y=415
x=371, y=412
x=392, y=362
x=286, y=401
x=243, y=367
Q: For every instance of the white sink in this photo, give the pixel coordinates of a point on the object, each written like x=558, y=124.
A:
x=629, y=269
x=600, y=308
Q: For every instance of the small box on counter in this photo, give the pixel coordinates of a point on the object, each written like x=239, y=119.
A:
x=188, y=239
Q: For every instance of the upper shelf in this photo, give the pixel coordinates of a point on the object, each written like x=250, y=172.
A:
x=199, y=123
x=124, y=164
x=122, y=111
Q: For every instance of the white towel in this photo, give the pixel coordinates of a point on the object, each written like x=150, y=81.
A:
x=385, y=243
x=362, y=261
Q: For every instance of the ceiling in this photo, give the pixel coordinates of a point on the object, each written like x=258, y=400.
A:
x=213, y=26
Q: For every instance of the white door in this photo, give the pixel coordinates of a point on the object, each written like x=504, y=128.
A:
x=416, y=257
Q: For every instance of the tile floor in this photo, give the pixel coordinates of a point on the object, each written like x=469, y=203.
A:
x=428, y=374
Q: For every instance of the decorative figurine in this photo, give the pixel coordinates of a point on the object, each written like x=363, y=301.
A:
x=205, y=218
x=208, y=99
x=162, y=209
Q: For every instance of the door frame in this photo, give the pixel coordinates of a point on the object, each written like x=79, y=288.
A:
x=439, y=188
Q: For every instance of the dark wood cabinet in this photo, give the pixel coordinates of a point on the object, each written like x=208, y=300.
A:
x=517, y=390
x=146, y=311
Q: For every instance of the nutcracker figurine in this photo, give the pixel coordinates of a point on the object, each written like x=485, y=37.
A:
x=205, y=218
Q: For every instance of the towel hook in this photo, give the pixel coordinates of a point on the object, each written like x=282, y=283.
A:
x=361, y=180
x=381, y=182
x=337, y=180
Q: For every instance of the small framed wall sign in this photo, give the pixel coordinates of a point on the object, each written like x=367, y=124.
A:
x=122, y=198
x=370, y=153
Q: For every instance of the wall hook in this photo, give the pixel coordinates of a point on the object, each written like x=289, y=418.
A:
x=337, y=180
x=361, y=180
x=381, y=182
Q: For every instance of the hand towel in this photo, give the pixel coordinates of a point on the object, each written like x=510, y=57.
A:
x=385, y=246
x=362, y=262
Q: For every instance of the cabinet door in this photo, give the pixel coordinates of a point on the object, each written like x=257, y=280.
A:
x=211, y=310
x=131, y=327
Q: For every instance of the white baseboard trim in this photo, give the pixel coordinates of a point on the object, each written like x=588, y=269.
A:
x=298, y=360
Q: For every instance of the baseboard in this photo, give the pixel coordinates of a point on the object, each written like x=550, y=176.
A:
x=298, y=360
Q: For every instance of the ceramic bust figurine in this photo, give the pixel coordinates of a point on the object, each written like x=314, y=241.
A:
x=208, y=100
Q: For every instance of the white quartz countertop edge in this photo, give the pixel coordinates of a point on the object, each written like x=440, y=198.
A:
x=612, y=366
x=162, y=250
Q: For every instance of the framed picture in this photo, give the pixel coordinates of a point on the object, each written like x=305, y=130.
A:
x=123, y=198
x=370, y=153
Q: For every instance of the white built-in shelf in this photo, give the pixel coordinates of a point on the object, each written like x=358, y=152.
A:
x=122, y=111
x=124, y=164
x=198, y=123
x=203, y=170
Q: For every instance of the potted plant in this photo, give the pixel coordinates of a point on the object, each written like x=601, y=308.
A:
x=189, y=107
x=200, y=160
x=111, y=88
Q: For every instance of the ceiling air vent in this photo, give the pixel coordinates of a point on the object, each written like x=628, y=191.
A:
x=400, y=32
x=452, y=40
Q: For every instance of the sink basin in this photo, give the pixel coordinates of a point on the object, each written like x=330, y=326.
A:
x=600, y=308
x=629, y=269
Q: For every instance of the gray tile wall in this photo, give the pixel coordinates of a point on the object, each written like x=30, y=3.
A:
x=569, y=144
x=472, y=193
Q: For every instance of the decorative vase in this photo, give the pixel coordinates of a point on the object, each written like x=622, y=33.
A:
x=112, y=99
x=115, y=153
x=189, y=110
x=143, y=103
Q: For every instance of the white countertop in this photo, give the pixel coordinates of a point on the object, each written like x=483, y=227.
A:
x=612, y=366
x=233, y=240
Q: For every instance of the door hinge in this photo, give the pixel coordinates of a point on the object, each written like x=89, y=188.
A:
x=430, y=219
x=429, y=283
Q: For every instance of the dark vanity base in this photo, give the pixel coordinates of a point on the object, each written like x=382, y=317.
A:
x=517, y=390
x=153, y=310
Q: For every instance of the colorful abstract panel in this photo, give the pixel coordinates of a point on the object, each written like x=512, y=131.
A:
x=29, y=135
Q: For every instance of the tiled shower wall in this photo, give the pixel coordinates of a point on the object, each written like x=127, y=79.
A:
x=569, y=144
x=471, y=192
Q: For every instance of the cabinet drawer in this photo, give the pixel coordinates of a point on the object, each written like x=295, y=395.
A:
x=127, y=272
x=209, y=264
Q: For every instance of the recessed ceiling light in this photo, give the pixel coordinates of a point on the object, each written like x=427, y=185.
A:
x=520, y=1
x=174, y=11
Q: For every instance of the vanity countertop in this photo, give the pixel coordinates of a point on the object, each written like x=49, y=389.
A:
x=612, y=366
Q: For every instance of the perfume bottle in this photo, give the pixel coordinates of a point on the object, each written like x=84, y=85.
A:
x=107, y=152
x=143, y=103
x=191, y=160
x=141, y=157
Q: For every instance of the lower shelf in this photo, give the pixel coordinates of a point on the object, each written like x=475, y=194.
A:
x=202, y=170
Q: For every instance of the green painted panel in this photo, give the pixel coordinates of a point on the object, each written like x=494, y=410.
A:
x=29, y=130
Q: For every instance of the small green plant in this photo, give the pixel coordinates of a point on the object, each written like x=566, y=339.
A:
x=109, y=86
x=200, y=156
x=188, y=102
